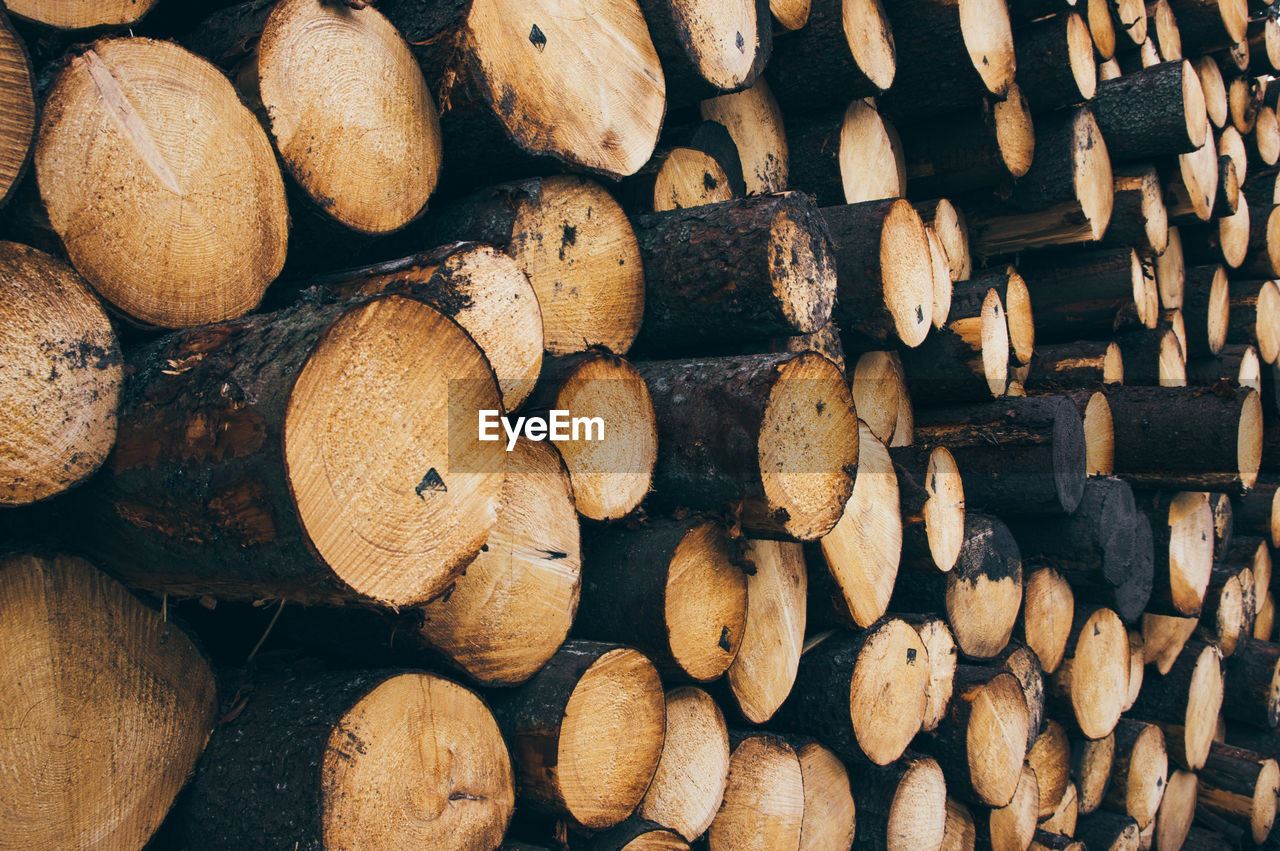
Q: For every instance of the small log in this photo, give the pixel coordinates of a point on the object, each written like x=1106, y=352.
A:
x=1047, y=611
x=1077, y=296
x=1152, y=357
x=754, y=268
x=679, y=177
x=1182, y=526
x=670, y=589
x=1223, y=619
x=1013, y=825
x=1198, y=179
x=762, y=673
x=1106, y=831
x=17, y=95
x=1171, y=272
x=1093, y=677
x=1025, y=456
x=884, y=272
x=861, y=693
x=1055, y=62
x=576, y=756
x=790, y=477
x=1091, y=761
x=941, y=649
x=1254, y=317
x=1177, y=809
x=846, y=156
x=878, y=383
x=705, y=51
x=1240, y=786
x=931, y=493
x=1163, y=637
x=1139, y=771
x=1151, y=113
x=901, y=806
x=967, y=360
x=754, y=120
x=1139, y=217
x=1185, y=703
x=1012, y=289
x=1050, y=758
x=1021, y=661
x=1207, y=26
x=829, y=810
x=764, y=802
x=1062, y=367
x=1238, y=366
x=689, y=782
x=948, y=223
x=960, y=833
x=845, y=50
x=1244, y=98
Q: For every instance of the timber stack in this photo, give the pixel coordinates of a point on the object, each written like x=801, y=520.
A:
x=733, y=424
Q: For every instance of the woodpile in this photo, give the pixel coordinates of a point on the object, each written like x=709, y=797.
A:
x=803, y=424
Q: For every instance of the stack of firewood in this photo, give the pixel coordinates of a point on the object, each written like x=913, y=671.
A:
x=917, y=471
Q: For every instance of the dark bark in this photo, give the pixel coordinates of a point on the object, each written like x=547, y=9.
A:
x=877, y=787
x=634, y=829
x=1201, y=27
x=1105, y=831
x=1076, y=295
x=1141, y=349
x=1144, y=115
x=1063, y=367
x=1016, y=455
x=727, y=272
x=686, y=81
x=1198, y=308
x=1045, y=74
x=947, y=368
x=1253, y=509
x=813, y=66
x=1252, y=683
x=813, y=153
x=953, y=153
x=1164, y=699
x=819, y=703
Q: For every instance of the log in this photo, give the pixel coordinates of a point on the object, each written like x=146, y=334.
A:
x=369, y=159
x=1077, y=295
x=960, y=833
x=1108, y=832
x=846, y=155
x=1066, y=196
x=829, y=810
x=931, y=494
x=607, y=106
x=1050, y=759
x=861, y=693
x=754, y=268
x=1021, y=456
x=81, y=14
x=1044, y=840
x=1091, y=761
x=885, y=284
x=984, y=146
x=1265, y=139
x=158, y=694
x=982, y=742
x=1055, y=62
x=689, y=782
x=707, y=49
x=1165, y=24
x=764, y=798
x=980, y=595
x=948, y=223
x=1177, y=809
x=967, y=360
x=17, y=94
x=1182, y=525
x=1138, y=216
x=1171, y=272
x=106, y=134
x=1224, y=619
x=949, y=55
x=1198, y=175
x=480, y=288
x=1254, y=317
x=1241, y=786
x=901, y=806
x=825, y=341
x=1152, y=357
x=572, y=240
x=1207, y=25
x=245, y=408
x=845, y=50
x=1163, y=637
x=1263, y=258
x=1185, y=703
x=1231, y=144
x=1257, y=512
x=610, y=467
x=1046, y=616
x=633, y=832
x=1012, y=289
x=1139, y=771
x=1021, y=661
x=754, y=120
x=329, y=751
x=863, y=550
x=1063, y=367
x=1092, y=679
x=680, y=177
x=503, y=618
x=788, y=476
x=1252, y=677
x=1237, y=365
x=670, y=589
x=1152, y=113
x=61, y=380
x=1244, y=99
x=878, y=383
x=942, y=284
x=940, y=646
x=1098, y=548
x=791, y=15
x=1156, y=447
x=761, y=675
x=1013, y=825
x=576, y=755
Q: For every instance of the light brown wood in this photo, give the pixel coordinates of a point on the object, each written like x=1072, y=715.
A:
x=1171, y=272
x=17, y=109
x=1013, y=826
x=1139, y=772
x=940, y=647
x=110, y=707
x=1177, y=809
x=762, y=673
x=790, y=14
x=60, y=379
x=689, y=178
x=754, y=120
x=959, y=833
x=830, y=816
x=1047, y=610
x=503, y=618
x=877, y=383
x=1050, y=758
x=1094, y=674
x=1163, y=637
x=81, y=14
x=1091, y=761
x=764, y=802
x=1063, y=819
x=690, y=779
x=162, y=186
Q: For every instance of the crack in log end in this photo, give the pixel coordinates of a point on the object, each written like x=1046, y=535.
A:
x=742, y=44
x=554, y=555
x=463, y=796
x=130, y=122
x=430, y=482
x=537, y=38
x=724, y=640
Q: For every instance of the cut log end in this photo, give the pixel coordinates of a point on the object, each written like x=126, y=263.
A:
x=1204, y=701
x=1084, y=69
x=988, y=37
x=803, y=273
x=887, y=692
x=1015, y=134
x=17, y=108
x=1017, y=311
x=81, y=15
x=1190, y=557
x=764, y=670
x=1014, y=825
x=870, y=155
x=993, y=333
x=944, y=509
x=1177, y=809
x=996, y=740
x=1100, y=673
x=1099, y=436
x=1047, y=613
x=942, y=285
x=689, y=782
x=394, y=533
x=1193, y=105
x=941, y=647
x=763, y=800
x=690, y=178
x=1094, y=186
x=790, y=14
x=877, y=386
x=706, y=603
x=754, y=120
x=918, y=814
x=870, y=38
x=829, y=808
x=1267, y=323
x=906, y=273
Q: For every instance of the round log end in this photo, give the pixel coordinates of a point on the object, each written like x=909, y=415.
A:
x=877, y=386
x=984, y=589
x=1146, y=775
x=1249, y=440
x=887, y=692
x=1113, y=364
x=1190, y=559
x=1094, y=186
x=994, y=336
x=1273, y=238
x=1214, y=89
x=942, y=285
x=689, y=782
x=1099, y=436
x=1177, y=809
x=808, y=446
x=1100, y=673
x=918, y=814
x=1267, y=324
x=143, y=202
x=941, y=647
x=720, y=39
x=830, y=813
x=512, y=608
x=1233, y=235
x=996, y=740
x=1171, y=370
x=790, y=14
x=60, y=381
x=705, y=604
x=690, y=178
x=1022, y=329
x=80, y=14
x=1015, y=135
x=988, y=36
x=1266, y=794
x=395, y=531
x=870, y=155
x=1102, y=27
x=1014, y=825
x=1235, y=18
x=765, y=668
x=870, y=38
x=1084, y=70
x=1193, y=105
x=611, y=738
x=1204, y=701
x=764, y=797
x=906, y=273
x=18, y=104
x=944, y=508
x=949, y=224
x=802, y=268
x=1047, y=612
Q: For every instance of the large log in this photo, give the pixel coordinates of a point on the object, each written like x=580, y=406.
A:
x=1206, y=25
x=143, y=202
x=339, y=742
x=246, y=410
x=1139, y=217
x=788, y=474
x=754, y=120
x=669, y=589
x=1139, y=772
x=1047, y=610
x=1182, y=527
x=708, y=48
x=749, y=269
x=764, y=801
x=1151, y=113
x=96, y=668
x=844, y=50
x=572, y=240
x=861, y=693
x=1025, y=456
x=1185, y=703
x=60, y=381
